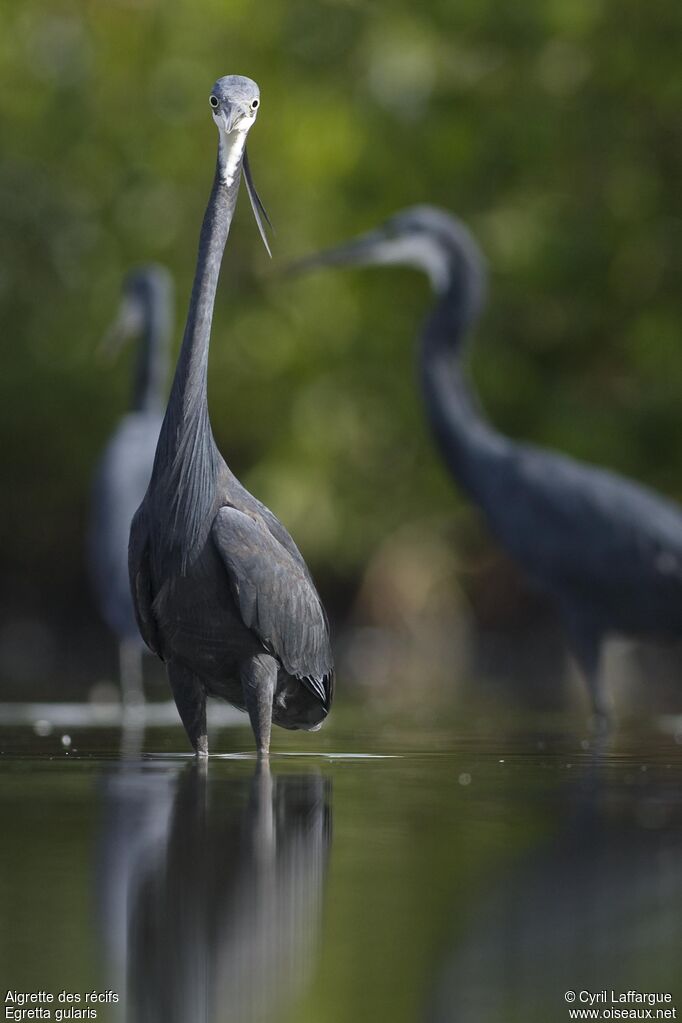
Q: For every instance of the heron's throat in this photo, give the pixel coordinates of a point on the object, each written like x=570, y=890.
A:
x=230, y=154
x=424, y=253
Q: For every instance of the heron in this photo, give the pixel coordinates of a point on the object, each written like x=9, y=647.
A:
x=606, y=549
x=221, y=591
x=125, y=467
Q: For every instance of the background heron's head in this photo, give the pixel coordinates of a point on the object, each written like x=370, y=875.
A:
x=424, y=237
x=147, y=291
x=234, y=102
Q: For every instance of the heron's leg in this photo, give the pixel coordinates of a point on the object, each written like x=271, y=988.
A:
x=130, y=668
x=259, y=678
x=190, y=699
x=586, y=641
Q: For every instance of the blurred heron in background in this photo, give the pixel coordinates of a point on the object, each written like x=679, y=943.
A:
x=125, y=468
x=608, y=550
x=221, y=592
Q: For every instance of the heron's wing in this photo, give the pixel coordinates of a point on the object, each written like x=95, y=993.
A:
x=276, y=599
x=141, y=582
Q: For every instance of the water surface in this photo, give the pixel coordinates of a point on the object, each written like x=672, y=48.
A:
x=371, y=873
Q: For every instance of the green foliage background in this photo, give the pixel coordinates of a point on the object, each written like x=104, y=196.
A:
x=550, y=126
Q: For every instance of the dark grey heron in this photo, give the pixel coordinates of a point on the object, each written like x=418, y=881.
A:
x=124, y=470
x=221, y=591
x=607, y=549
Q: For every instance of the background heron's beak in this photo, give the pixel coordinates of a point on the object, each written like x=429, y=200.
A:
x=127, y=324
x=362, y=251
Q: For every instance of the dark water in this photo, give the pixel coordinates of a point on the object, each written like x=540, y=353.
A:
x=426, y=876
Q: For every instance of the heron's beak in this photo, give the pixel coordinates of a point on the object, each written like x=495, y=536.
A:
x=230, y=116
x=233, y=116
x=127, y=324
x=367, y=249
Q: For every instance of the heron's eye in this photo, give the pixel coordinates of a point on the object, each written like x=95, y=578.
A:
x=213, y=100
x=255, y=103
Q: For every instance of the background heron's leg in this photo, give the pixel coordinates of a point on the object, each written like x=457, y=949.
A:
x=586, y=641
x=190, y=699
x=130, y=669
x=259, y=678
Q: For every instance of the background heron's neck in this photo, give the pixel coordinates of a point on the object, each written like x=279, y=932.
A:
x=151, y=370
x=464, y=437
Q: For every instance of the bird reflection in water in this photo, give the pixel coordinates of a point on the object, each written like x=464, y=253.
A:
x=599, y=908
x=211, y=890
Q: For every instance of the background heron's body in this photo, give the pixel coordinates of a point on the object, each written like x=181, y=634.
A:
x=124, y=470
x=607, y=549
x=120, y=483
x=221, y=592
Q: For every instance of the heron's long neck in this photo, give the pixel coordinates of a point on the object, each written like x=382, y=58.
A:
x=465, y=438
x=187, y=406
x=151, y=371
x=187, y=460
x=189, y=384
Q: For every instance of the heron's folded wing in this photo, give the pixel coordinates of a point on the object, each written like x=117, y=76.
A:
x=140, y=581
x=276, y=599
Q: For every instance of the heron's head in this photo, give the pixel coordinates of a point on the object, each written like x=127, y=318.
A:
x=234, y=102
x=147, y=292
x=423, y=237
